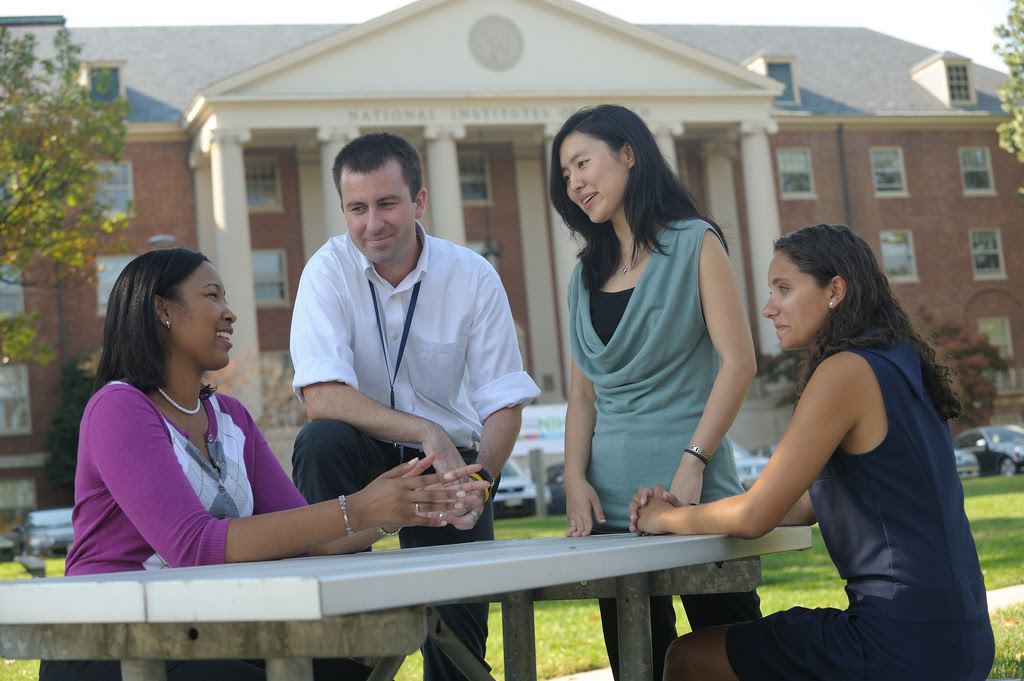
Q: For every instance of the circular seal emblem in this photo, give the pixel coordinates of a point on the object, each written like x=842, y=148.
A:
x=495, y=43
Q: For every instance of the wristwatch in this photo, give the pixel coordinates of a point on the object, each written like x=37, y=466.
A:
x=482, y=474
x=485, y=476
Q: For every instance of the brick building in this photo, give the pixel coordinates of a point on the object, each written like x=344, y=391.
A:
x=233, y=130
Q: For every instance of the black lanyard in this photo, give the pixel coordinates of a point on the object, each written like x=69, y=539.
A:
x=405, y=333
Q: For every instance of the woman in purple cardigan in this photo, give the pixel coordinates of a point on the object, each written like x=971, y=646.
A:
x=172, y=475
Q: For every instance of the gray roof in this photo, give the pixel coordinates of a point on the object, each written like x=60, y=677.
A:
x=849, y=71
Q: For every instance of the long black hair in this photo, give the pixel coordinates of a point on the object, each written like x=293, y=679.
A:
x=134, y=350
x=825, y=251
x=654, y=194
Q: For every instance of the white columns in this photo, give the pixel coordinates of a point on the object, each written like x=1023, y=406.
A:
x=331, y=141
x=234, y=245
x=202, y=180
x=665, y=134
x=312, y=202
x=564, y=257
x=546, y=364
x=720, y=189
x=763, y=226
x=444, y=196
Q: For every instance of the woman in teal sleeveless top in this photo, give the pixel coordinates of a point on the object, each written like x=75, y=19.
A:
x=868, y=455
x=662, y=351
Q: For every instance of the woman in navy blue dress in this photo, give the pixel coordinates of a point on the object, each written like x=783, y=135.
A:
x=868, y=456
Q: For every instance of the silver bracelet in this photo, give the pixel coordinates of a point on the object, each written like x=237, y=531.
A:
x=344, y=512
x=384, y=533
x=700, y=453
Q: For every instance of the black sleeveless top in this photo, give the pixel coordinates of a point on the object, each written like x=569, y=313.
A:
x=606, y=310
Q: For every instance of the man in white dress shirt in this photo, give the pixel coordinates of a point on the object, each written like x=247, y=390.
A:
x=402, y=344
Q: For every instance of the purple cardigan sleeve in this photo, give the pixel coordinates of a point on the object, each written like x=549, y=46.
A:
x=125, y=441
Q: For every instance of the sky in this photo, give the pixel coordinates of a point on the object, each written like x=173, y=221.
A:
x=942, y=25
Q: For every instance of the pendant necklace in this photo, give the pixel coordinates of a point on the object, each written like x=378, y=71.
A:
x=177, y=406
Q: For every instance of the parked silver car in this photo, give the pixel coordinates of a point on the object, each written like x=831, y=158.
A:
x=45, y=533
x=966, y=464
x=517, y=493
x=1000, y=449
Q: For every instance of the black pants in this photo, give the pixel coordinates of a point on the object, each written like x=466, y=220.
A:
x=702, y=610
x=196, y=670
x=332, y=458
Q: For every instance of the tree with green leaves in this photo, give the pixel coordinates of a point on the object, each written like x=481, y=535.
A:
x=1011, y=92
x=54, y=143
x=76, y=387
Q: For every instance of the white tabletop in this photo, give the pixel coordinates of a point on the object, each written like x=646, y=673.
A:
x=319, y=587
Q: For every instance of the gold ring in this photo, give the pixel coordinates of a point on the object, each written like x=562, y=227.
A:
x=417, y=507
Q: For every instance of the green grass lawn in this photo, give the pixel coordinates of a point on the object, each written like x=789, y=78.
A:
x=569, y=633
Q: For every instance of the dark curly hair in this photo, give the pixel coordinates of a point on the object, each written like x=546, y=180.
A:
x=826, y=251
x=654, y=194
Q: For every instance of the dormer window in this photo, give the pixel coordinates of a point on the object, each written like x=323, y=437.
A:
x=948, y=77
x=781, y=69
x=105, y=80
x=959, y=84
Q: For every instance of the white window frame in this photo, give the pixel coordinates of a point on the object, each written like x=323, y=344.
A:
x=272, y=188
x=792, y=153
x=15, y=400
x=11, y=291
x=885, y=192
x=279, y=280
x=108, y=268
x=477, y=178
x=972, y=98
x=987, y=191
x=987, y=274
x=762, y=64
x=1005, y=348
x=17, y=495
x=85, y=75
x=905, y=277
x=108, y=187
x=794, y=98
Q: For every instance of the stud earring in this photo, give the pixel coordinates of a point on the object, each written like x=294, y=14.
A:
x=831, y=304
x=167, y=322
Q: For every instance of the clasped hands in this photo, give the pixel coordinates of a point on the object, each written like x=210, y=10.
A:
x=648, y=507
x=465, y=515
x=403, y=496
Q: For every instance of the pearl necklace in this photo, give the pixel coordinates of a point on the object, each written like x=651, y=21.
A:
x=177, y=406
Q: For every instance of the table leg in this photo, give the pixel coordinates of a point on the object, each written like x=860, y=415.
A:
x=143, y=670
x=454, y=648
x=633, y=598
x=290, y=669
x=519, y=635
x=386, y=668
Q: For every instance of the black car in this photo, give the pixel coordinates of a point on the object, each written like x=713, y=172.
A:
x=45, y=533
x=1000, y=449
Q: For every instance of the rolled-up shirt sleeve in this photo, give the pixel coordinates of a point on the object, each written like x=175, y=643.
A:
x=496, y=376
x=321, y=348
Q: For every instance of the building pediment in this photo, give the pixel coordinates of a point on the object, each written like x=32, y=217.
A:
x=445, y=48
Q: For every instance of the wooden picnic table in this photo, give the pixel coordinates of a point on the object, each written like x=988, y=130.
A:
x=369, y=604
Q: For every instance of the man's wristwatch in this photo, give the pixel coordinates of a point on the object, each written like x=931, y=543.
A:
x=482, y=474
